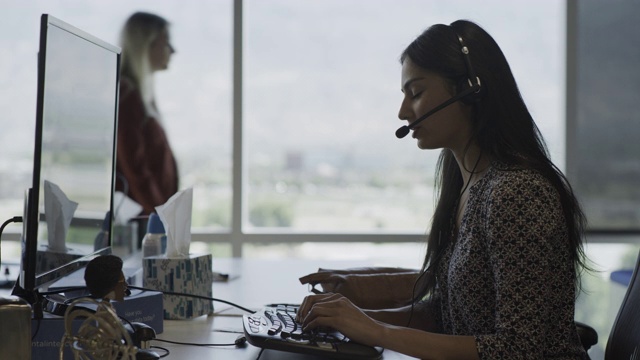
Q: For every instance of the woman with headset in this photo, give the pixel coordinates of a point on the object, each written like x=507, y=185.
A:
x=504, y=257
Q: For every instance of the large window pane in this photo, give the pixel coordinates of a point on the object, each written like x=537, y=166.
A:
x=605, y=161
x=322, y=91
x=194, y=94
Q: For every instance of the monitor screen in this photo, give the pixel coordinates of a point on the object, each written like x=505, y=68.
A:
x=68, y=208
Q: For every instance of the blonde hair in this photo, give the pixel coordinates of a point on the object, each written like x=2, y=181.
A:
x=139, y=31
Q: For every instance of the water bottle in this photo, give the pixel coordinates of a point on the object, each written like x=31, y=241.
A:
x=152, y=243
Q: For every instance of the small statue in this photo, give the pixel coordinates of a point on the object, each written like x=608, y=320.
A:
x=105, y=279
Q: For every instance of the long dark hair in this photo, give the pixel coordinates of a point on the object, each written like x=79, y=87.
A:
x=503, y=129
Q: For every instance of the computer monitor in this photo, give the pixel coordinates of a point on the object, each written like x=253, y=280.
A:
x=74, y=152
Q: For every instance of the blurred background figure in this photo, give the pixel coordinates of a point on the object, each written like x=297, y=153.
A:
x=146, y=167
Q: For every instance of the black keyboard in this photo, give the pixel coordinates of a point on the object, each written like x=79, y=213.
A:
x=274, y=327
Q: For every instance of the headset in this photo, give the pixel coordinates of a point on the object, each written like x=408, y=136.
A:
x=473, y=81
x=470, y=91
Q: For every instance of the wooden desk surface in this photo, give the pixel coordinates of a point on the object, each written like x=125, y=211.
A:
x=253, y=283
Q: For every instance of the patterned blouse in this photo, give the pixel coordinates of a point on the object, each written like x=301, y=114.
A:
x=507, y=278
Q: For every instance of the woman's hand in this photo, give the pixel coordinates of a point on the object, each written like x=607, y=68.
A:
x=367, y=288
x=337, y=312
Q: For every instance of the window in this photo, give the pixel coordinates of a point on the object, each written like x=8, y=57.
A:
x=194, y=97
x=320, y=96
x=194, y=94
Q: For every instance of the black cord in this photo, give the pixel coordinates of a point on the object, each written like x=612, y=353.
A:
x=18, y=219
x=192, y=344
x=12, y=220
x=166, y=351
x=37, y=329
x=239, y=342
x=74, y=288
x=197, y=297
x=260, y=354
x=126, y=320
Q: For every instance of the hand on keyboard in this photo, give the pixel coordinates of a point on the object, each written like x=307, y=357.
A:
x=275, y=327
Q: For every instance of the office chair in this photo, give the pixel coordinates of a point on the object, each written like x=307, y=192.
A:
x=588, y=335
x=624, y=340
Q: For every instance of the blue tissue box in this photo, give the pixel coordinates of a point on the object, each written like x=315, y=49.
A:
x=189, y=275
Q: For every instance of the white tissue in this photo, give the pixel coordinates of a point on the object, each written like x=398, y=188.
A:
x=175, y=215
x=59, y=212
x=125, y=208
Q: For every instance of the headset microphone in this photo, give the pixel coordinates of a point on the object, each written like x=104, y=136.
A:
x=404, y=130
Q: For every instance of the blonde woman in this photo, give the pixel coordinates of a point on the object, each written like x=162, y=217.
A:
x=146, y=167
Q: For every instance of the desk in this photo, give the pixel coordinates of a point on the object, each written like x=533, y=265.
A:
x=256, y=282
x=253, y=283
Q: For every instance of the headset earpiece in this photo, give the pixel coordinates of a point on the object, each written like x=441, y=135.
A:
x=470, y=80
x=475, y=96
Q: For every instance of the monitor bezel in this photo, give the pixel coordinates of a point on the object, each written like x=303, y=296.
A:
x=29, y=281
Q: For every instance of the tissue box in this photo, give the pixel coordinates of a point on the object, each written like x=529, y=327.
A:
x=48, y=260
x=192, y=275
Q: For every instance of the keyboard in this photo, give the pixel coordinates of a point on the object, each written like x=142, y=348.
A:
x=274, y=327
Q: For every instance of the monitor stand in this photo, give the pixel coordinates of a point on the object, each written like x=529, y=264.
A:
x=33, y=297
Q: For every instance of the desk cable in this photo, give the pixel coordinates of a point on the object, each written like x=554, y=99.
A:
x=194, y=296
x=240, y=340
x=15, y=219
